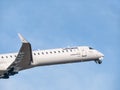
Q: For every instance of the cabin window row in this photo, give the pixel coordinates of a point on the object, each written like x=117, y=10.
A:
x=11, y=56
x=52, y=52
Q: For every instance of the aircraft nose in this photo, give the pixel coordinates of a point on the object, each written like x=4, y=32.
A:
x=101, y=55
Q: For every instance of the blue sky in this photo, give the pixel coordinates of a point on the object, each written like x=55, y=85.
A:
x=62, y=23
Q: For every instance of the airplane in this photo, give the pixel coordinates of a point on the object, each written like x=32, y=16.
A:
x=12, y=63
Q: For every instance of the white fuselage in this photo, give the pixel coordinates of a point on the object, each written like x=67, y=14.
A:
x=12, y=63
x=54, y=56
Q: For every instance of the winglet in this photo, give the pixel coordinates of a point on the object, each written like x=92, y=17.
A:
x=23, y=40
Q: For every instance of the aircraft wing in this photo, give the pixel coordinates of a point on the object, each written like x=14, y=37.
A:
x=24, y=57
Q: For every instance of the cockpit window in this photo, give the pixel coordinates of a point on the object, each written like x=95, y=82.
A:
x=90, y=48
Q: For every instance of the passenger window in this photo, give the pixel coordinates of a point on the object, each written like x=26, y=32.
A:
x=66, y=50
x=54, y=51
x=6, y=56
x=46, y=52
x=2, y=57
x=10, y=56
x=38, y=53
x=43, y=53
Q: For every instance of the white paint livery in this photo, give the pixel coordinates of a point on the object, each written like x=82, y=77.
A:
x=12, y=63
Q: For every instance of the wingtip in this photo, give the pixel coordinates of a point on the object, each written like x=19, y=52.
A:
x=23, y=40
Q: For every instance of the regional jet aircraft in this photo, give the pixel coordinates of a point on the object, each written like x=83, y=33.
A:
x=12, y=63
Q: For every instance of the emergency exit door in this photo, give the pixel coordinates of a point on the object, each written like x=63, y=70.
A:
x=84, y=53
